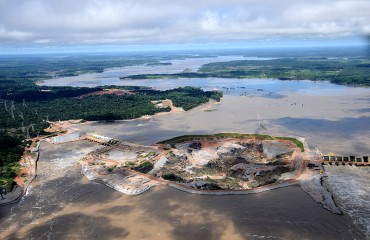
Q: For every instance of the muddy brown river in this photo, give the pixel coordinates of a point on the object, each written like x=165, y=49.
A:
x=62, y=204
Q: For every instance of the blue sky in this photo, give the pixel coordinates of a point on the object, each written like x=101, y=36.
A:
x=110, y=25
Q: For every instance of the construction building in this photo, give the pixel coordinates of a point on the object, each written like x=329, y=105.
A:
x=66, y=138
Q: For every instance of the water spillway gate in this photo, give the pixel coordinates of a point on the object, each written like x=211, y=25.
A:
x=343, y=160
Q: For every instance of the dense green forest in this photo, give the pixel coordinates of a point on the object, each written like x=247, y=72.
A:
x=11, y=150
x=60, y=104
x=350, y=71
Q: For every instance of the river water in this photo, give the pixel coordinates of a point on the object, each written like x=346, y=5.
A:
x=62, y=204
x=351, y=186
x=112, y=76
x=332, y=117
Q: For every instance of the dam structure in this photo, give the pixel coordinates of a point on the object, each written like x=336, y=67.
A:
x=346, y=160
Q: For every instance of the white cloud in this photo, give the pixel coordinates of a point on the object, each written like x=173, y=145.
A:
x=13, y=35
x=46, y=22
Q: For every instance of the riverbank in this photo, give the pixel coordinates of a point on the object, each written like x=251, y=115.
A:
x=27, y=174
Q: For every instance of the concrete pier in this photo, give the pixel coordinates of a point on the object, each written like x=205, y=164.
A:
x=343, y=160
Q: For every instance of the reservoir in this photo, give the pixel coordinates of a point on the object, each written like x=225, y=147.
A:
x=333, y=117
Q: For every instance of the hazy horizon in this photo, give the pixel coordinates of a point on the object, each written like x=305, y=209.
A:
x=188, y=51
x=42, y=26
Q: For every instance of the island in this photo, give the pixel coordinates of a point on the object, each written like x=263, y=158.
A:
x=340, y=71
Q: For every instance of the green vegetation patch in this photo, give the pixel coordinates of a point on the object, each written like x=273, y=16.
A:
x=150, y=154
x=11, y=150
x=110, y=169
x=298, y=143
x=159, y=64
x=349, y=71
x=187, y=138
x=172, y=177
x=18, y=113
x=145, y=167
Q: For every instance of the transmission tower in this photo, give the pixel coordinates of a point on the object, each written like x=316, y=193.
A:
x=12, y=108
x=6, y=105
x=20, y=114
x=23, y=128
x=28, y=132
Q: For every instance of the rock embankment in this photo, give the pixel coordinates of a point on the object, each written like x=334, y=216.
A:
x=313, y=186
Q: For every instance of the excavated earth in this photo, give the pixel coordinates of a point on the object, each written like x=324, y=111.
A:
x=229, y=163
x=234, y=164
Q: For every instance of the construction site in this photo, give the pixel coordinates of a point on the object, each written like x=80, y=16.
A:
x=89, y=136
x=229, y=164
x=216, y=166
x=225, y=164
x=219, y=164
x=122, y=166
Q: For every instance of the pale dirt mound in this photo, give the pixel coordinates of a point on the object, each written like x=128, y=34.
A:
x=158, y=165
x=122, y=155
x=202, y=157
x=274, y=148
x=227, y=147
x=127, y=183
